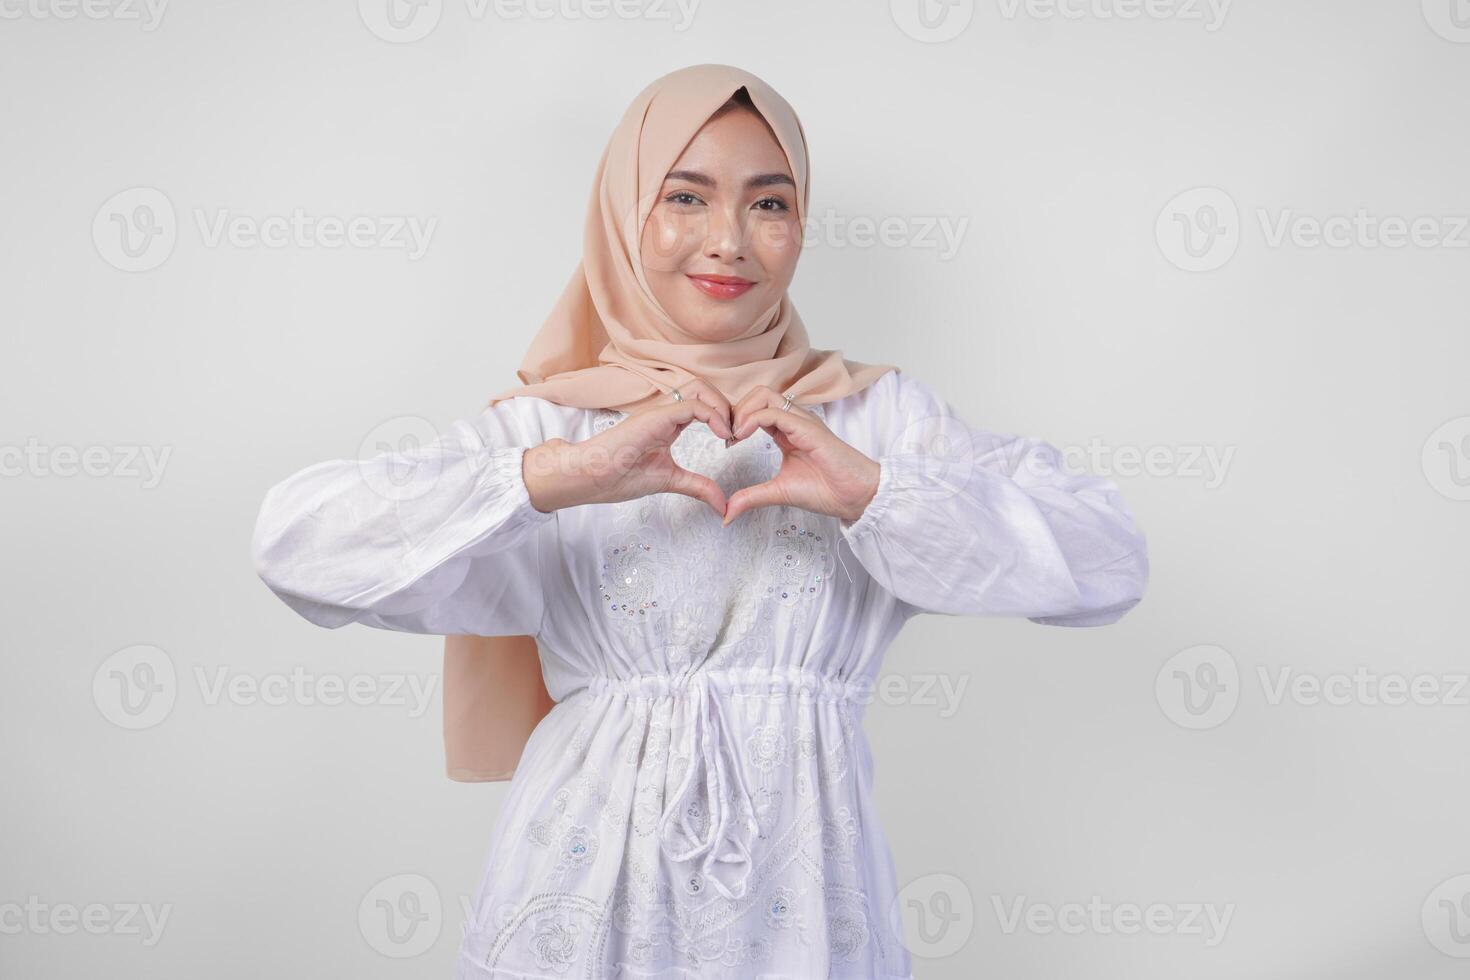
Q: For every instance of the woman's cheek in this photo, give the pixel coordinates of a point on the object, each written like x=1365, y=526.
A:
x=672, y=238
x=778, y=247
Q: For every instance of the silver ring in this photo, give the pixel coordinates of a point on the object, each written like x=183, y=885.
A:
x=677, y=397
x=786, y=405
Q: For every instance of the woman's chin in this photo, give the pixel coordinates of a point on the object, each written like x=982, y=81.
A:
x=718, y=330
x=719, y=320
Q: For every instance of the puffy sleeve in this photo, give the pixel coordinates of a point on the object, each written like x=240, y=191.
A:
x=968, y=522
x=439, y=537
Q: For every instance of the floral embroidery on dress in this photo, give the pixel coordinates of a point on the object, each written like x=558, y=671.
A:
x=800, y=563
x=554, y=942
x=766, y=747
x=630, y=586
x=578, y=848
x=781, y=912
x=839, y=836
x=847, y=924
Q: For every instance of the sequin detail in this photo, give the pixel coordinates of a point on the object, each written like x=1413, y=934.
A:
x=800, y=564
x=629, y=584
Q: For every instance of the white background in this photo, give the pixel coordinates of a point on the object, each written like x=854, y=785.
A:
x=1328, y=538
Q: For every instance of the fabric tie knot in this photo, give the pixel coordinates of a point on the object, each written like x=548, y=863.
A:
x=712, y=814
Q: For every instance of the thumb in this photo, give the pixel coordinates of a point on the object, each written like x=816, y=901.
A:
x=698, y=486
x=766, y=494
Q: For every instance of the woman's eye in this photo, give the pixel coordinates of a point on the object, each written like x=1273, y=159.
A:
x=682, y=197
x=778, y=204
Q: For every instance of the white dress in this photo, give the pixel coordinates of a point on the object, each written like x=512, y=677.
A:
x=699, y=802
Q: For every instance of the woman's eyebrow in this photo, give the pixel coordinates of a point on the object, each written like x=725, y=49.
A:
x=704, y=180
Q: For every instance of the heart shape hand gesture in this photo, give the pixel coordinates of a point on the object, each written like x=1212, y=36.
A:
x=819, y=472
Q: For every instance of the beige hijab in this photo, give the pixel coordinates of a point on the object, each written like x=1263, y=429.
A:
x=609, y=344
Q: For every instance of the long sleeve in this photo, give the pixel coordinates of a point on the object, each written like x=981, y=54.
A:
x=434, y=539
x=967, y=522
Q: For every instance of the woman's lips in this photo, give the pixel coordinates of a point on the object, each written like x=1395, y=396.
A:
x=721, y=287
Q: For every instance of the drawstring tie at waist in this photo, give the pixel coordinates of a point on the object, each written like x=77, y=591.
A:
x=711, y=815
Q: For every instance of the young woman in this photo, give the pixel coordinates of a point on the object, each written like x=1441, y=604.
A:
x=712, y=532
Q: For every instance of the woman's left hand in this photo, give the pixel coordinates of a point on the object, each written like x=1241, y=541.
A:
x=819, y=472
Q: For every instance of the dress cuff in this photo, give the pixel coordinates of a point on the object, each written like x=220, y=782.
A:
x=882, y=499
x=505, y=477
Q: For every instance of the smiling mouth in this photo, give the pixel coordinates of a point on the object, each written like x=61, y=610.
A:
x=721, y=287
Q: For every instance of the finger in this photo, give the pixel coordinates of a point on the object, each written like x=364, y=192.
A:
x=698, y=486
x=763, y=396
x=711, y=395
x=768, y=494
x=776, y=400
x=681, y=413
x=797, y=427
x=758, y=397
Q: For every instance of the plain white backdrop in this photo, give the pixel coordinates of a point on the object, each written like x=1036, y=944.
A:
x=1216, y=250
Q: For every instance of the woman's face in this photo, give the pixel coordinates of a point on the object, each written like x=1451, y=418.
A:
x=721, y=244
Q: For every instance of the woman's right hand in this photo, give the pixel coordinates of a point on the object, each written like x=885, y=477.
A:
x=628, y=460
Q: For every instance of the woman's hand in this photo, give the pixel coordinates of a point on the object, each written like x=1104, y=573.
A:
x=819, y=472
x=628, y=460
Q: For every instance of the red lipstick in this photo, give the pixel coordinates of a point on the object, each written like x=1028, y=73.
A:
x=721, y=287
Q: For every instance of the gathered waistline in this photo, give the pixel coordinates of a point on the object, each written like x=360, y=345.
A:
x=756, y=682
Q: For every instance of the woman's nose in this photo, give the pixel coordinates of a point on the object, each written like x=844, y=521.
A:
x=726, y=237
